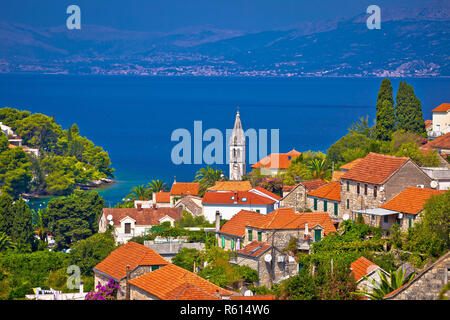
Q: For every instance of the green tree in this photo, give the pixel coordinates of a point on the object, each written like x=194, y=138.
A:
x=6, y=214
x=386, y=284
x=157, y=186
x=139, y=193
x=409, y=110
x=15, y=171
x=186, y=257
x=436, y=216
x=6, y=242
x=385, y=116
x=349, y=141
x=207, y=177
x=39, y=223
x=22, y=227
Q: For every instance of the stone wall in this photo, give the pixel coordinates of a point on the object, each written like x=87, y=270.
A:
x=296, y=199
x=427, y=284
x=360, y=201
x=103, y=279
x=139, y=294
x=330, y=207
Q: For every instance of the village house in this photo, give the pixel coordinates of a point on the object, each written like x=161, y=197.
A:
x=440, y=177
x=223, y=186
x=427, y=285
x=363, y=270
x=161, y=199
x=174, y=283
x=134, y=222
x=130, y=260
x=182, y=189
x=295, y=196
x=191, y=204
x=336, y=176
x=441, y=120
x=404, y=209
x=377, y=179
x=440, y=144
x=275, y=163
x=228, y=203
x=327, y=198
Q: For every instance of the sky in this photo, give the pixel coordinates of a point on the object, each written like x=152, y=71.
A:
x=169, y=15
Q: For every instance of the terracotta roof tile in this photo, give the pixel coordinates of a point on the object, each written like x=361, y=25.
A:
x=286, y=218
x=144, y=216
x=231, y=186
x=311, y=185
x=255, y=248
x=185, y=188
x=428, y=123
x=266, y=192
x=172, y=282
x=442, y=108
x=337, y=175
x=277, y=160
x=236, y=225
x=411, y=200
x=442, y=142
x=239, y=197
x=375, y=168
x=132, y=254
x=162, y=197
x=362, y=267
x=351, y=164
x=330, y=191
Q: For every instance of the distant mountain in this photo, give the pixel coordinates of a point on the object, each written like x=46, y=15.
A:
x=410, y=43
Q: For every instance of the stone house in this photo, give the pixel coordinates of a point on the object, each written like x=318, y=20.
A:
x=275, y=163
x=191, y=204
x=441, y=145
x=362, y=268
x=404, y=209
x=295, y=196
x=133, y=222
x=182, y=189
x=174, y=283
x=272, y=264
x=376, y=179
x=427, y=284
x=133, y=259
x=343, y=169
x=326, y=198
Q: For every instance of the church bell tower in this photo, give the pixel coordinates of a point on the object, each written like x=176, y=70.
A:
x=237, y=151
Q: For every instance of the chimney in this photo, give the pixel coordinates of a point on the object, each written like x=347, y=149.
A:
x=139, y=206
x=306, y=229
x=127, y=293
x=217, y=221
x=81, y=286
x=154, y=205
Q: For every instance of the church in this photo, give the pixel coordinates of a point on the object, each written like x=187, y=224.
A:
x=237, y=151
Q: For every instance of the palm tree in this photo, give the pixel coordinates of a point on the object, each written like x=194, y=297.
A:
x=207, y=177
x=157, y=186
x=39, y=223
x=317, y=167
x=139, y=193
x=6, y=242
x=386, y=285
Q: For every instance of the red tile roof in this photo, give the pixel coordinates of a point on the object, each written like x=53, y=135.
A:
x=411, y=200
x=337, y=175
x=277, y=160
x=231, y=186
x=236, y=225
x=162, y=197
x=226, y=198
x=255, y=248
x=442, y=142
x=311, y=185
x=428, y=123
x=330, y=191
x=144, y=216
x=268, y=193
x=184, y=188
x=132, y=254
x=174, y=283
x=351, y=164
x=442, y=108
x=287, y=219
x=362, y=267
x=375, y=168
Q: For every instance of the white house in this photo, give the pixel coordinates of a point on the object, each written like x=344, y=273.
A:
x=230, y=203
x=133, y=222
x=441, y=120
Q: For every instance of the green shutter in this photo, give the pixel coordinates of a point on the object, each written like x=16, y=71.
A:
x=348, y=186
x=325, y=206
x=317, y=235
x=335, y=209
x=348, y=203
x=223, y=242
x=250, y=235
x=232, y=243
x=410, y=222
x=315, y=204
x=259, y=236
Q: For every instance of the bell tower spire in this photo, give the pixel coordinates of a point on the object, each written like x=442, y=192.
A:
x=237, y=150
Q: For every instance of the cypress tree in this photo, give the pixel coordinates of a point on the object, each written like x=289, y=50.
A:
x=6, y=214
x=409, y=110
x=385, y=118
x=22, y=227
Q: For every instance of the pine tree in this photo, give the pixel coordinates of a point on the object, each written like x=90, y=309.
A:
x=385, y=118
x=22, y=226
x=6, y=214
x=409, y=110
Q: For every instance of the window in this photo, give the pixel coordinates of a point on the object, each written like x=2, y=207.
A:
x=232, y=243
x=335, y=209
x=259, y=236
x=127, y=228
x=315, y=204
x=348, y=186
x=365, y=189
x=375, y=191
x=348, y=203
x=317, y=235
x=372, y=217
x=410, y=220
x=257, y=210
x=358, y=191
x=244, y=199
x=223, y=242
x=250, y=235
x=325, y=206
x=386, y=219
x=154, y=268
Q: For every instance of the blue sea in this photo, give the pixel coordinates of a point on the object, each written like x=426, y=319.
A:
x=133, y=118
